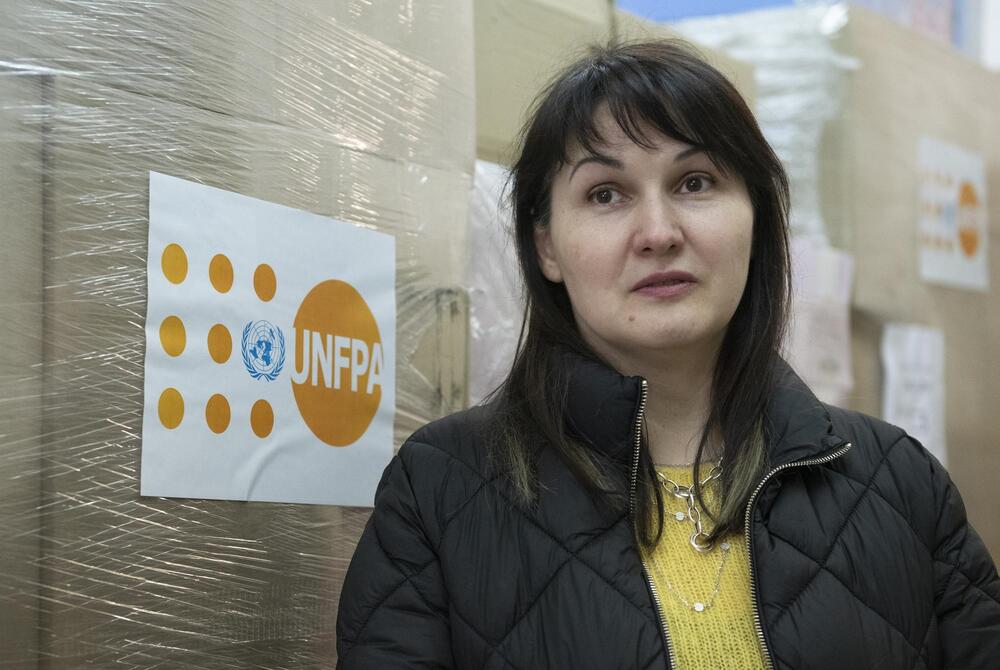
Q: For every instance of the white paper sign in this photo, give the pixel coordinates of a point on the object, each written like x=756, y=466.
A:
x=270, y=351
x=954, y=231
x=913, y=393
x=819, y=337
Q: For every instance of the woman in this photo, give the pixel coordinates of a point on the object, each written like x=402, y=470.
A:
x=652, y=486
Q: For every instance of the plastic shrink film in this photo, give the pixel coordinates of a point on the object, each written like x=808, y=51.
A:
x=800, y=80
x=898, y=88
x=496, y=293
x=349, y=110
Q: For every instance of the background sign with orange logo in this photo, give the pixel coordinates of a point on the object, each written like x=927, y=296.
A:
x=270, y=351
x=954, y=229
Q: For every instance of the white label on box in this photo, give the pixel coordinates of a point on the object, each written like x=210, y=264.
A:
x=270, y=351
x=954, y=231
x=913, y=393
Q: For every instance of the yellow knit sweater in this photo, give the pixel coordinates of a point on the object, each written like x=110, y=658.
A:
x=722, y=634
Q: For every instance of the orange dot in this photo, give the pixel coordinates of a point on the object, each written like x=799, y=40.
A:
x=172, y=336
x=170, y=408
x=217, y=413
x=174, y=263
x=220, y=271
x=967, y=195
x=264, y=282
x=261, y=418
x=220, y=343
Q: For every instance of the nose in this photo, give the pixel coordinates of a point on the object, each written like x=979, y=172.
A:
x=658, y=227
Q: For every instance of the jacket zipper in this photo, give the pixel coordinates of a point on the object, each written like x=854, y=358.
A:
x=843, y=449
x=644, y=392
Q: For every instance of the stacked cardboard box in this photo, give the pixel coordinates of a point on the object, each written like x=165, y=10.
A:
x=391, y=78
x=358, y=112
x=908, y=87
x=519, y=46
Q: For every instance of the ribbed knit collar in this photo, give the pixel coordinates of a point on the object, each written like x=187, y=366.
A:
x=603, y=405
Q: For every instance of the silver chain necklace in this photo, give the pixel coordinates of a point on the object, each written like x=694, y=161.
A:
x=698, y=538
x=702, y=605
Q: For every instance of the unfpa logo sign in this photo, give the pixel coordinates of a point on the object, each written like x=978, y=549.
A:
x=953, y=222
x=337, y=377
x=270, y=340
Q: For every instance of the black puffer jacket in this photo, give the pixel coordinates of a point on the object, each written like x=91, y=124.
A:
x=861, y=553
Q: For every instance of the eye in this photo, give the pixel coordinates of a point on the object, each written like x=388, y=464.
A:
x=605, y=195
x=696, y=183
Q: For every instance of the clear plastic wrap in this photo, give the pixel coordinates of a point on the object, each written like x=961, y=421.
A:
x=353, y=111
x=496, y=301
x=388, y=77
x=800, y=87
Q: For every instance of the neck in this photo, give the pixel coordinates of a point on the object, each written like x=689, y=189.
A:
x=678, y=404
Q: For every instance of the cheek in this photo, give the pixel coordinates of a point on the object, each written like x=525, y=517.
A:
x=585, y=262
x=735, y=236
x=741, y=265
x=727, y=251
x=739, y=261
x=730, y=250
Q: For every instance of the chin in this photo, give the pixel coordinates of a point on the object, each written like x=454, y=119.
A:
x=674, y=338
x=663, y=341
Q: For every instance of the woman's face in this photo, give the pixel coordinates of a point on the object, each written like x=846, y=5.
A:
x=653, y=246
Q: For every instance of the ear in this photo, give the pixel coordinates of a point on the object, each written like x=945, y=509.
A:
x=546, y=256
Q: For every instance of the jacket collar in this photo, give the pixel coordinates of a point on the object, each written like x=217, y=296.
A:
x=603, y=405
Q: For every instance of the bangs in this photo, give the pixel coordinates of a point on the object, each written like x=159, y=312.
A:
x=676, y=101
x=649, y=89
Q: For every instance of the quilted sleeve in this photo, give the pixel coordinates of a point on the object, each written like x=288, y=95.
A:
x=968, y=589
x=393, y=606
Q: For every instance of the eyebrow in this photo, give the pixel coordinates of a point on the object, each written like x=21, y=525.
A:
x=603, y=159
x=687, y=153
x=597, y=158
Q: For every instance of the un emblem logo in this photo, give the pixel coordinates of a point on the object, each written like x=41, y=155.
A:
x=263, y=350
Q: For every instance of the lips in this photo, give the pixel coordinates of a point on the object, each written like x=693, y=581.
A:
x=664, y=279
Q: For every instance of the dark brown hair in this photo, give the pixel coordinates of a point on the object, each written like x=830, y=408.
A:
x=668, y=86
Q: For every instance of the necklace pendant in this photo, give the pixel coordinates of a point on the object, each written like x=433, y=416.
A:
x=700, y=546
x=699, y=607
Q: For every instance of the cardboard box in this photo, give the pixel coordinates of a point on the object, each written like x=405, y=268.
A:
x=180, y=582
x=389, y=77
x=521, y=44
x=354, y=111
x=907, y=87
